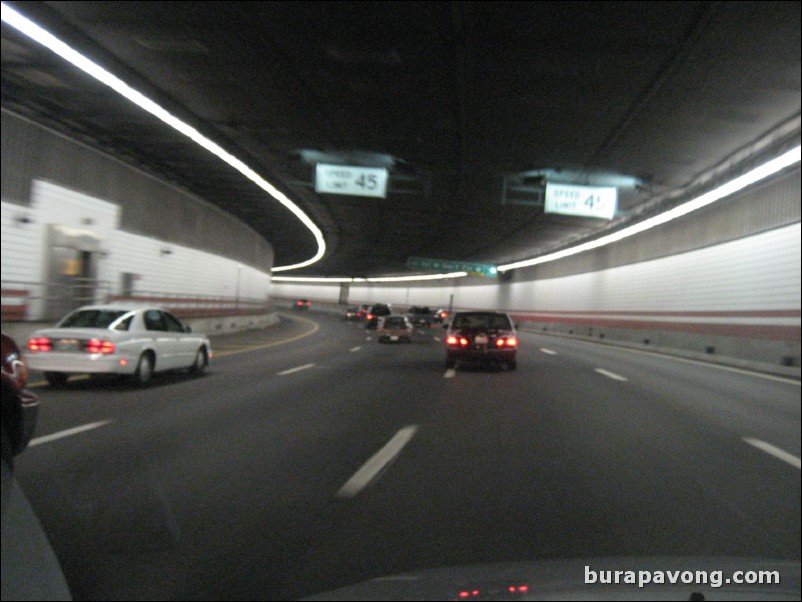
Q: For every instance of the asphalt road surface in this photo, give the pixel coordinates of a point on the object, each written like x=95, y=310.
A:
x=312, y=457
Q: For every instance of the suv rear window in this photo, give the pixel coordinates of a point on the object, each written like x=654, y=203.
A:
x=381, y=310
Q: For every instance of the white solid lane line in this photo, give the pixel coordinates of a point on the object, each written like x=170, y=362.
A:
x=371, y=469
x=68, y=432
x=450, y=373
x=357, y=348
x=548, y=351
x=298, y=369
x=774, y=451
x=609, y=374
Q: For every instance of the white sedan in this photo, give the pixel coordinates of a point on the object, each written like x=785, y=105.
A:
x=117, y=339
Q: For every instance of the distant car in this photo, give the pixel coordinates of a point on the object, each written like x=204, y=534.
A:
x=481, y=336
x=302, y=304
x=20, y=406
x=374, y=313
x=362, y=311
x=117, y=339
x=395, y=329
x=351, y=314
x=439, y=316
x=422, y=316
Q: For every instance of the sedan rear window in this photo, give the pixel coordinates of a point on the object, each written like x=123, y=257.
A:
x=483, y=320
x=92, y=318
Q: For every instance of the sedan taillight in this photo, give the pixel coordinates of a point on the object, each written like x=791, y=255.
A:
x=40, y=344
x=457, y=341
x=98, y=346
x=508, y=342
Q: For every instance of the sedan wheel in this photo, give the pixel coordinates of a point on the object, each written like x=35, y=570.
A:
x=199, y=367
x=144, y=370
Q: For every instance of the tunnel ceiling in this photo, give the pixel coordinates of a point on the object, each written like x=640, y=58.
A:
x=460, y=101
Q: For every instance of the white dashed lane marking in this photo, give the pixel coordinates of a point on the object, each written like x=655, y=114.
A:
x=298, y=369
x=609, y=374
x=68, y=432
x=373, y=467
x=774, y=451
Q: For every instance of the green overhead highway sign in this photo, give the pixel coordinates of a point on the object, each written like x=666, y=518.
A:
x=442, y=265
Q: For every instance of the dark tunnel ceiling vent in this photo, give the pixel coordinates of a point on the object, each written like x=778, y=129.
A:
x=362, y=158
x=540, y=177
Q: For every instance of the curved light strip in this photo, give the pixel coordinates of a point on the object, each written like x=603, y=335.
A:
x=414, y=278
x=311, y=279
x=302, y=279
x=36, y=33
x=759, y=173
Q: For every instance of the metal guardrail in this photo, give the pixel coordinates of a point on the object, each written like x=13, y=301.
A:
x=199, y=306
x=27, y=301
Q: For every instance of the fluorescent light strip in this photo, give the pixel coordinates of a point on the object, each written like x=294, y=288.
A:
x=310, y=279
x=423, y=277
x=36, y=33
x=382, y=279
x=757, y=174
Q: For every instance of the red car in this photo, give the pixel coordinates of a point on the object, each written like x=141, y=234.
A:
x=302, y=304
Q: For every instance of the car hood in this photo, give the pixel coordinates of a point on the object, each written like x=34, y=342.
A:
x=581, y=580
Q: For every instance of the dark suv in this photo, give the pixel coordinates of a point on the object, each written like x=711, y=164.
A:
x=374, y=313
x=420, y=315
x=481, y=336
